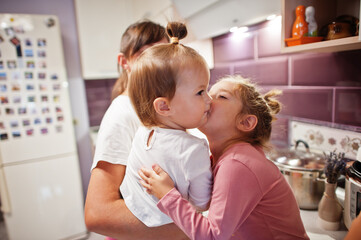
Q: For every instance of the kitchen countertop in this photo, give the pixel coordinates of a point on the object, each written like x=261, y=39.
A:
x=314, y=232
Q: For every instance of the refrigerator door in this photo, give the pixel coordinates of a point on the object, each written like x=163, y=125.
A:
x=36, y=120
x=46, y=200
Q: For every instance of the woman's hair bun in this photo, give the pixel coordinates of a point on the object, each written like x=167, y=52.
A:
x=176, y=31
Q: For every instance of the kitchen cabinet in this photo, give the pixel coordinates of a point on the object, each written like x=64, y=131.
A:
x=326, y=12
x=101, y=24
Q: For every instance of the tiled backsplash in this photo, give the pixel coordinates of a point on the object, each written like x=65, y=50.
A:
x=327, y=139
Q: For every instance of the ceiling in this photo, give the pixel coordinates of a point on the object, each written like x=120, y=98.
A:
x=210, y=18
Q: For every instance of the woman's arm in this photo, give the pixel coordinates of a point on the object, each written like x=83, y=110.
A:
x=355, y=229
x=229, y=207
x=107, y=214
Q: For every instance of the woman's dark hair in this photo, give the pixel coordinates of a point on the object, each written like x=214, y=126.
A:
x=133, y=39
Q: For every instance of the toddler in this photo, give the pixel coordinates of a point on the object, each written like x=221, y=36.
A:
x=168, y=89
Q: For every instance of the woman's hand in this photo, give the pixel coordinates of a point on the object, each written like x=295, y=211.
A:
x=157, y=182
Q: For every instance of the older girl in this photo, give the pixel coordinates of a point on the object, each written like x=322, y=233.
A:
x=250, y=198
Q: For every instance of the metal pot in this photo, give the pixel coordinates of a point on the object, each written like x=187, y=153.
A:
x=303, y=170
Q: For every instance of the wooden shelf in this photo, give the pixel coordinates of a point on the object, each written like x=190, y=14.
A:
x=326, y=12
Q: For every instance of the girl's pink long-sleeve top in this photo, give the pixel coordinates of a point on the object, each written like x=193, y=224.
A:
x=250, y=200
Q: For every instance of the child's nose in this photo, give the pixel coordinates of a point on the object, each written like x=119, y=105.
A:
x=208, y=98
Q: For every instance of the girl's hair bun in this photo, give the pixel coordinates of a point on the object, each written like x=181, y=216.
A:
x=176, y=31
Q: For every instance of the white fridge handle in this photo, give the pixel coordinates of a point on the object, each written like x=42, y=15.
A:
x=4, y=194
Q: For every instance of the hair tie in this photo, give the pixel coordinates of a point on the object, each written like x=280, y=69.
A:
x=174, y=40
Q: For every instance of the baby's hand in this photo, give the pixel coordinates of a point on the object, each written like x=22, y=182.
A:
x=157, y=182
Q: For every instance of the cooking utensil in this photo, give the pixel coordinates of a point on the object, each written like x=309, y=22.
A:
x=303, y=170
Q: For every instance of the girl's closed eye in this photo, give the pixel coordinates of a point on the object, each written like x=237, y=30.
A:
x=222, y=96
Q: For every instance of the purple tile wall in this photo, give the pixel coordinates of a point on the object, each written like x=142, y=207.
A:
x=348, y=106
x=227, y=48
x=265, y=71
x=98, y=94
x=307, y=103
x=317, y=87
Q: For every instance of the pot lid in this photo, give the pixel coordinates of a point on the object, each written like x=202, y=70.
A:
x=297, y=159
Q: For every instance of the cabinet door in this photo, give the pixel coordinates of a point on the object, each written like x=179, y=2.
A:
x=100, y=26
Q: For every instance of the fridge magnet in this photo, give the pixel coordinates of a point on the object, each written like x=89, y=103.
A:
x=56, y=87
x=45, y=110
x=28, y=75
x=41, y=75
x=11, y=64
x=16, y=99
x=56, y=98
x=44, y=98
x=50, y=22
x=1, y=65
x=30, y=64
x=4, y=100
x=9, y=31
x=41, y=53
x=44, y=131
x=14, y=124
x=28, y=42
x=16, y=42
x=22, y=110
x=54, y=77
x=49, y=120
x=42, y=64
x=16, y=134
x=43, y=87
x=3, y=88
x=30, y=87
x=37, y=121
x=26, y=122
x=32, y=109
x=59, y=129
x=29, y=53
x=60, y=118
x=30, y=132
x=2, y=76
x=1, y=39
x=9, y=111
x=31, y=99
x=58, y=109
x=41, y=42
x=3, y=136
x=15, y=75
x=2, y=126
x=15, y=87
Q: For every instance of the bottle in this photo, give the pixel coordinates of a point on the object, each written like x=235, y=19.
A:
x=300, y=27
x=310, y=19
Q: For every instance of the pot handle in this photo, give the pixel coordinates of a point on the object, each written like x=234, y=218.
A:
x=304, y=143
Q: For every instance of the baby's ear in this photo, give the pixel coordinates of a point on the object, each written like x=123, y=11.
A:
x=161, y=106
x=247, y=123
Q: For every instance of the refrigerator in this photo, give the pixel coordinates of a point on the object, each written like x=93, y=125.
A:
x=40, y=183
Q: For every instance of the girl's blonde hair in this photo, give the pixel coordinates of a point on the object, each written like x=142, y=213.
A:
x=264, y=107
x=133, y=39
x=157, y=70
